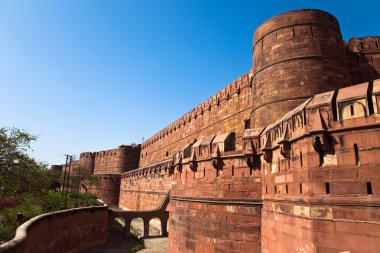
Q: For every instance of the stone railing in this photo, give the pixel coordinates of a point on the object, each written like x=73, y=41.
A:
x=67, y=231
x=146, y=215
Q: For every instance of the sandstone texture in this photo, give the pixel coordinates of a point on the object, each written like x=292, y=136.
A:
x=284, y=159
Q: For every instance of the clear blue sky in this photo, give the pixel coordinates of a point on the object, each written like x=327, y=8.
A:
x=87, y=75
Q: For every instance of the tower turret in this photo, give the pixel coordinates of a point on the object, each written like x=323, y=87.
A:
x=297, y=54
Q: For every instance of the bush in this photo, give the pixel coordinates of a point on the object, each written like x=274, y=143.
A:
x=9, y=202
x=31, y=205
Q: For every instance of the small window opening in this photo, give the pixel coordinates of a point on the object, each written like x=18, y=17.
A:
x=167, y=153
x=352, y=110
x=327, y=186
x=247, y=124
x=369, y=188
x=233, y=170
x=287, y=189
x=356, y=150
x=266, y=189
x=275, y=189
x=301, y=159
x=300, y=188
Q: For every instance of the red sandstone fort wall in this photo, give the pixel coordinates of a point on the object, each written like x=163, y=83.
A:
x=226, y=111
x=323, y=196
x=106, y=187
x=215, y=210
x=119, y=160
x=297, y=54
x=364, y=58
x=144, y=190
x=303, y=178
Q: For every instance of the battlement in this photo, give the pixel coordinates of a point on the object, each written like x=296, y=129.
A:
x=366, y=44
x=233, y=89
x=285, y=158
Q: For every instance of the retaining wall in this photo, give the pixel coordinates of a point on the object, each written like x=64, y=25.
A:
x=68, y=231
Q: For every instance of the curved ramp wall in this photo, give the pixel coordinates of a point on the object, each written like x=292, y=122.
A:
x=66, y=231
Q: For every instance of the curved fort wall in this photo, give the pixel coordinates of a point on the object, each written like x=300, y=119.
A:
x=296, y=54
x=106, y=187
x=216, y=206
x=107, y=167
x=283, y=159
x=119, y=160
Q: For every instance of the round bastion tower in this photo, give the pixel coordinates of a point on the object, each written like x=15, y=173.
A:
x=296, y=55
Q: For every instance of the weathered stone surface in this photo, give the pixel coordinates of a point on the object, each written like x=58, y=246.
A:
x=304, y=177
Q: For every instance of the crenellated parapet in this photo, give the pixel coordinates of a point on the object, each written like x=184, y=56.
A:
x=119, y=160
x=330, y=170
x=284, y=159
x=223, y=95
x=296, y=55
x=364, y=58
x=162, y=168
x=201, y=116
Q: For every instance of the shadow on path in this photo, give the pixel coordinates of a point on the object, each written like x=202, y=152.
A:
x=116, y=243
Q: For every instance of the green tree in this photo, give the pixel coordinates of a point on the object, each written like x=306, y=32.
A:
x=19, y=173
x=83, y=178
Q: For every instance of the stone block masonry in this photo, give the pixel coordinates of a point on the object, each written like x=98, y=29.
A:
x=284, y=159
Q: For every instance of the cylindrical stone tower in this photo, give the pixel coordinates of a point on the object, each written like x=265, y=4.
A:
x=87, y=160
x=296, y=55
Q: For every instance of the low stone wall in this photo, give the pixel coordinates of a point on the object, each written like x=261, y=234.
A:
x=66, y=231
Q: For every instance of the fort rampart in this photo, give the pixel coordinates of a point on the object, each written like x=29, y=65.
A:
x=284, y=159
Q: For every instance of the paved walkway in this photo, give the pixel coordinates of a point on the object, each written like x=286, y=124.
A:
x=117, y=243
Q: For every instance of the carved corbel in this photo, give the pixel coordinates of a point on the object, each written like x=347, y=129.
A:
x=318, y=131
x=179, y=164
x=216, y=159
x=249, y=152
x=172, y=166
x=285, y=146
x=193, y=161
x=267, y=150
